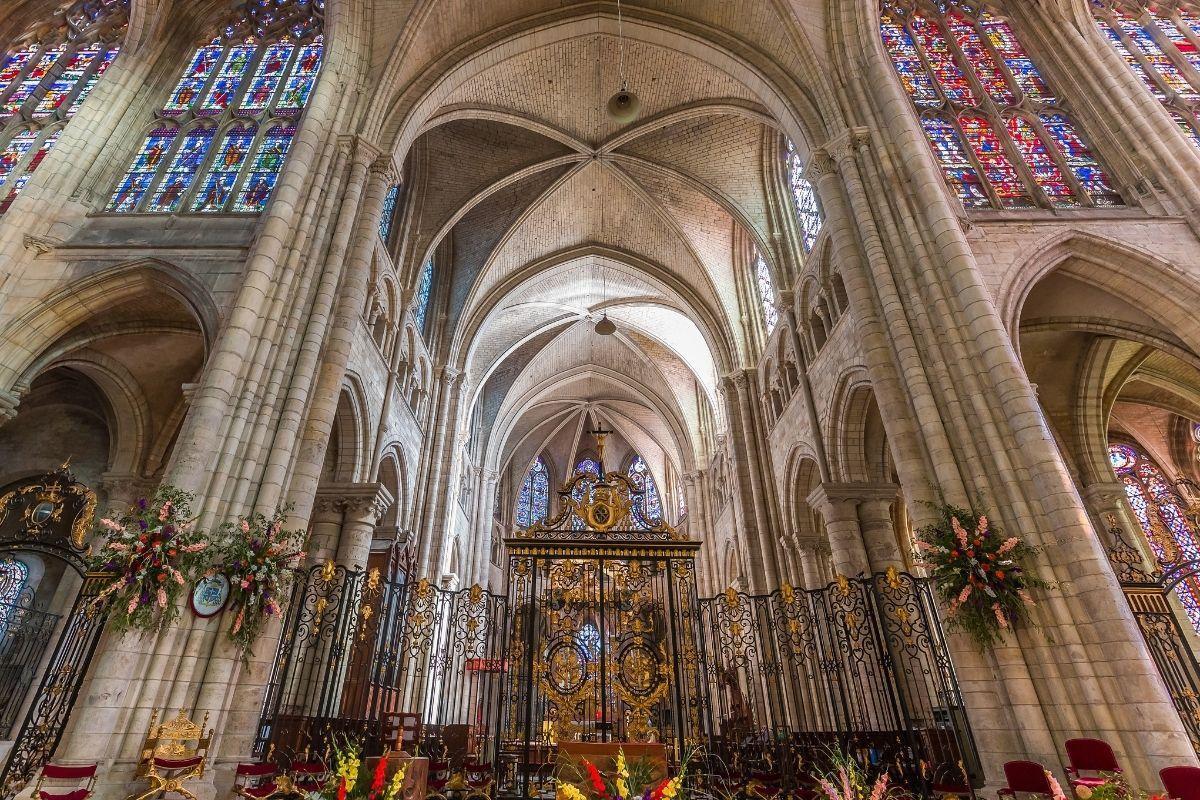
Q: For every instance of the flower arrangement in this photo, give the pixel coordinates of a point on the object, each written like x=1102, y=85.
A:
x=350, y=782
x=979, y=573
x=153, y=551
x=846, y=780
x=1115, y=787
x=628, y=781
x=260, y=559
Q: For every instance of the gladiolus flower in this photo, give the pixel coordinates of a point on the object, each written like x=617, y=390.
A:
x=1009, y=544
x=133, y=604
x=567, y=791
x=245, y=526
x=112, y=525
x=162, y=598
x=959, y=531
x=1000, y=618
x=341, y=792
x=164, y=512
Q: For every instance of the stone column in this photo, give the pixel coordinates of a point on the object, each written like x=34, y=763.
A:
x=838, y=504
x=325, y=527
x=364, y=506
x=878, y=530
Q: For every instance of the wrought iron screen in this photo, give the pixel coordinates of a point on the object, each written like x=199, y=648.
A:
x=860, y=664
x=357, y=649
x=25, y=635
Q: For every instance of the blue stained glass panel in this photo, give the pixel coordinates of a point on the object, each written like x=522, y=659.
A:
x=1013, y=54
x=955, y=164
x=264, y=169
x=1163, y=65
x=1177, y=38
x=192, y=82
x=182, y=170
x=299, y=84
x=389, y=211
x=1080, y=159
x=946, y=71
x=990, y=153
x=649, y=504
x=979, y=58
x=225, y=88
x=137, y=180
x=223, y=173
x=533, y=501
x=421, y=301
x=267, y=76
x=1130, y=59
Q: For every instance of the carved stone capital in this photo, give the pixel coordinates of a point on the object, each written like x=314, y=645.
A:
x=840, y=495
x=358, y=502
x=8, y=405
x=41, y=244
x=820, y=164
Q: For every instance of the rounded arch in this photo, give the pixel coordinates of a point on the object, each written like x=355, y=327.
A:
x=34, y=332
x=850, y=437
x=348, y=442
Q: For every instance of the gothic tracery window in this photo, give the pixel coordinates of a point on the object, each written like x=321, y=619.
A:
x=1161, y=45
x=648, y=506
x=766, y=292
x=997, y=130
x=44, y=79
x=533, y=501
x=421, y=301
x=221, y=138
x=804, y=197
x=582, y=491
x=1161, y=517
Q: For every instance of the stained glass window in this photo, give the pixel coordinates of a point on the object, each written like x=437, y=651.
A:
x=533, y=501
x=991, y=118
x=45, y=76
x=581, y=491
x=229, y=122
x=389, y=211
x=805, y=197
x=766, y=292
x=647, y=507
x=1161, y=44
x=421, y=301
x=1159, y=511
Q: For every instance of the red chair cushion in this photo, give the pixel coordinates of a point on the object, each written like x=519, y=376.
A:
x=69, y=772
x=256, y=770
x=1091, y=783
x=1181, y=783
x=74, y=794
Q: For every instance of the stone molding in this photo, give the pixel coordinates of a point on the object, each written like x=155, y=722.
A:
x=359, y=502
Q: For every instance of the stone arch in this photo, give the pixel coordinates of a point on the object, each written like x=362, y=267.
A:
x=344, y=458
x=34, y=332
x=851, y=415
x=393, y=475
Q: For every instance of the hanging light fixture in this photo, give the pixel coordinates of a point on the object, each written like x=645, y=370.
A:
x=605, y=326
x=624, y=105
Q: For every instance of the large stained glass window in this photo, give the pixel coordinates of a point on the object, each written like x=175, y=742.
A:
x=14, y=577
x=45, y=76
x=1161, y=44
x=766, y=292
x=996, y=128
x=1159, y=511
x=421, y=300
x=804, y=196
x=223, y=133
x=533, y=501
x=648, y=506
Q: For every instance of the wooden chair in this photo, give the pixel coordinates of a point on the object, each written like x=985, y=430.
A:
x=1090, y=755
x=1181, y=783
x=1028, y=777
x=479, y=776
x=174, y=752
x=75, y=774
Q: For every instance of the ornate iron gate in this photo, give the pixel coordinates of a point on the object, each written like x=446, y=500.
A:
x=1148, y=596
x=860, y=664
x=50, y=515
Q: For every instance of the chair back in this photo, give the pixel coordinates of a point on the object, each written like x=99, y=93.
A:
x=81, y=777
x=1027, y=776
x=176, y=741
x=1093, y=755
x=1181, y=783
